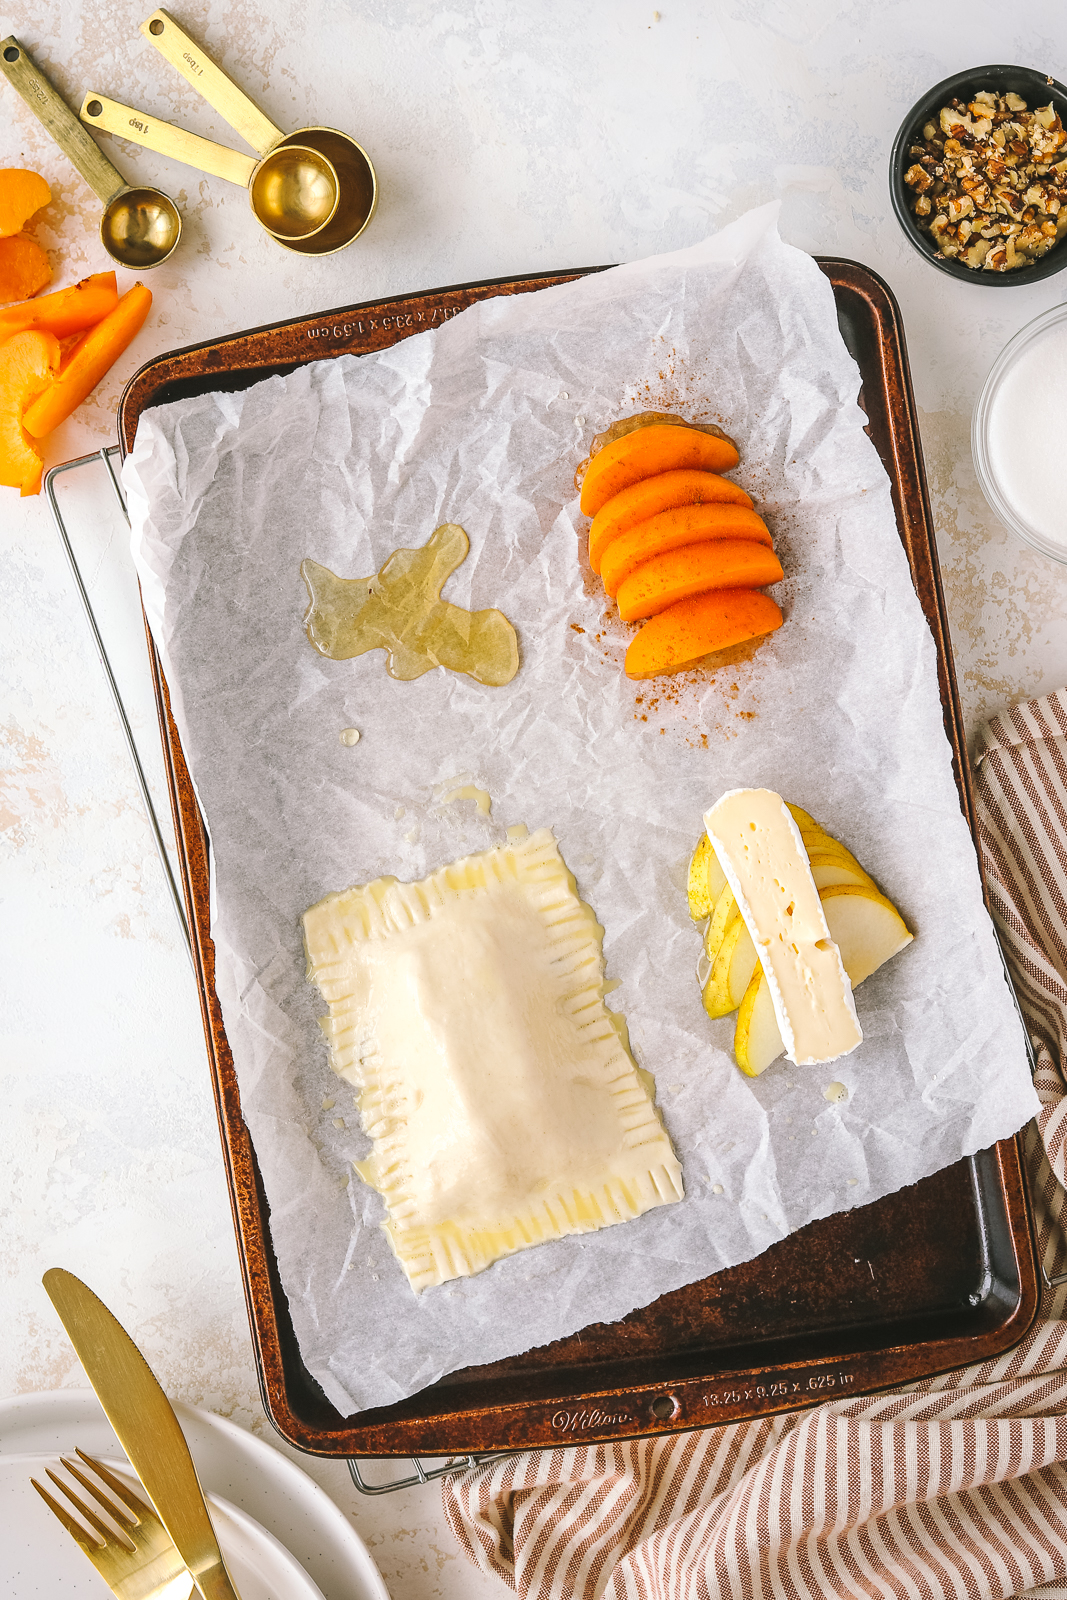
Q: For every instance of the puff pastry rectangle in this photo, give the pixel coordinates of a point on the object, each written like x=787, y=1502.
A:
x=502, y=1100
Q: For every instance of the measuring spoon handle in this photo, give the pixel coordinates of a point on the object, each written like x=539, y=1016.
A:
x=48, y=105
x=165, y=139
x=217, y=88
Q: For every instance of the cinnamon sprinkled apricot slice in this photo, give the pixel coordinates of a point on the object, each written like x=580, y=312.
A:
x=672, y=529
x=690, y=629
x=647, y=452
x=716, y=564
x=648, y=498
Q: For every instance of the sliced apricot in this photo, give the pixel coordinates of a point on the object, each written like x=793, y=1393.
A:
x=652, y=495
x=647, y=452
x=690, y=629
x=66, y=311
x=94, y=354
x=672, y=529
x=28, y=363
x=716, y=564
x=21, y=194
x=24, y=268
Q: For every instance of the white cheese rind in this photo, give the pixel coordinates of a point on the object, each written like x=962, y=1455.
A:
x=498, y=1090
x=763, y=856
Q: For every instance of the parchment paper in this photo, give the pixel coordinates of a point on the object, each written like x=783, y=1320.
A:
x=482, y=422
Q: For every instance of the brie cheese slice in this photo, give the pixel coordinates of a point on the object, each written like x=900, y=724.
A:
x=766, y=865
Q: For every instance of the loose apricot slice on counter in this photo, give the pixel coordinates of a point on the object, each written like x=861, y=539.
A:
x=690, y=629
x=24, y=268
x=21, y=194
x=716, y=564
x=66, y=311
x=647, y=452
x=653, y=495
x=672, y=529
x=94, y=354
x=28, y=363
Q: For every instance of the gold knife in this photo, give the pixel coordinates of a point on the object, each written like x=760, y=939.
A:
x=147, y=1428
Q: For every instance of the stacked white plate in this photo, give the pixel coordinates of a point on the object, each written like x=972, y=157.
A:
x=282, y=1536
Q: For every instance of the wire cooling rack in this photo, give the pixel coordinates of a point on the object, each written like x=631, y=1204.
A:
x=92, y=553
x=92, y=528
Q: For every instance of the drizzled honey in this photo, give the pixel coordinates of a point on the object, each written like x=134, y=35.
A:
x=400, y=610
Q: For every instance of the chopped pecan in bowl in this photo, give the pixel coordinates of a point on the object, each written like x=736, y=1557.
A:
x=989, y=181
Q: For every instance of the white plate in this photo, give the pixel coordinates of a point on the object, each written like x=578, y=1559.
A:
x=38, y=1558
x=313, y=1535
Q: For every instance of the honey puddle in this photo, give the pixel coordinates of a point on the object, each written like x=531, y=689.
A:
x=470, y=791
x=401, y=611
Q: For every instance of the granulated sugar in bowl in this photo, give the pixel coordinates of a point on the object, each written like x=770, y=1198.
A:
x=1019, y=434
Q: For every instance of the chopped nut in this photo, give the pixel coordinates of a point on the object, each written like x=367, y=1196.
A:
x=954, y=122
x=978, y=190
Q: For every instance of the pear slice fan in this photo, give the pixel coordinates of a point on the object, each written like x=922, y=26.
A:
x=865, y=926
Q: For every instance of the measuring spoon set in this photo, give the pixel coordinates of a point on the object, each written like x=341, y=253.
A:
x=314, y=190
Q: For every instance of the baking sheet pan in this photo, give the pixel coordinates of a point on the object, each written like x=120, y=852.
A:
x=933, y=1277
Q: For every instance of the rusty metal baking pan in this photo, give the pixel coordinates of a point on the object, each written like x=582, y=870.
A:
x=937, y=1276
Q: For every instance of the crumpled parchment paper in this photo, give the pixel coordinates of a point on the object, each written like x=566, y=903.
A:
x=482, y=422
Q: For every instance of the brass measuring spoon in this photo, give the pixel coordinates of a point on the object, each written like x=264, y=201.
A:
x=293, y=189
x=358, y=195
x=139, y=227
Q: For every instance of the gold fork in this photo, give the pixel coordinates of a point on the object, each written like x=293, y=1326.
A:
x=145, y=1568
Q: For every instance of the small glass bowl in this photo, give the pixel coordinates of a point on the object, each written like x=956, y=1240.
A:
x=981, y=444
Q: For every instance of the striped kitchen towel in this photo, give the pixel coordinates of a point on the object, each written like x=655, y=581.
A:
x=955, y=1487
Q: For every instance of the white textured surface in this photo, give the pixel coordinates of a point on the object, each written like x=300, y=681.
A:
x=508, y=139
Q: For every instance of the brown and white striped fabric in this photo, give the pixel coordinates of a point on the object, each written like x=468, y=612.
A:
x=956, y=1487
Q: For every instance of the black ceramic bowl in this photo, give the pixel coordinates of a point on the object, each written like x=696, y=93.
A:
x=1037, y=89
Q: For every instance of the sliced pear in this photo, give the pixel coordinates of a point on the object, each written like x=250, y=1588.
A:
x=803, y=819
x=716, y=992
x=743, y=963
x=726, y=911
x=833, y=869
x=699, y=898
x=730, y=975
x=820, y=843
x=706, y=880
x=716, y=876
x=757, y=1037
x=865, y=926
x=867, y=929
x=815, y=837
